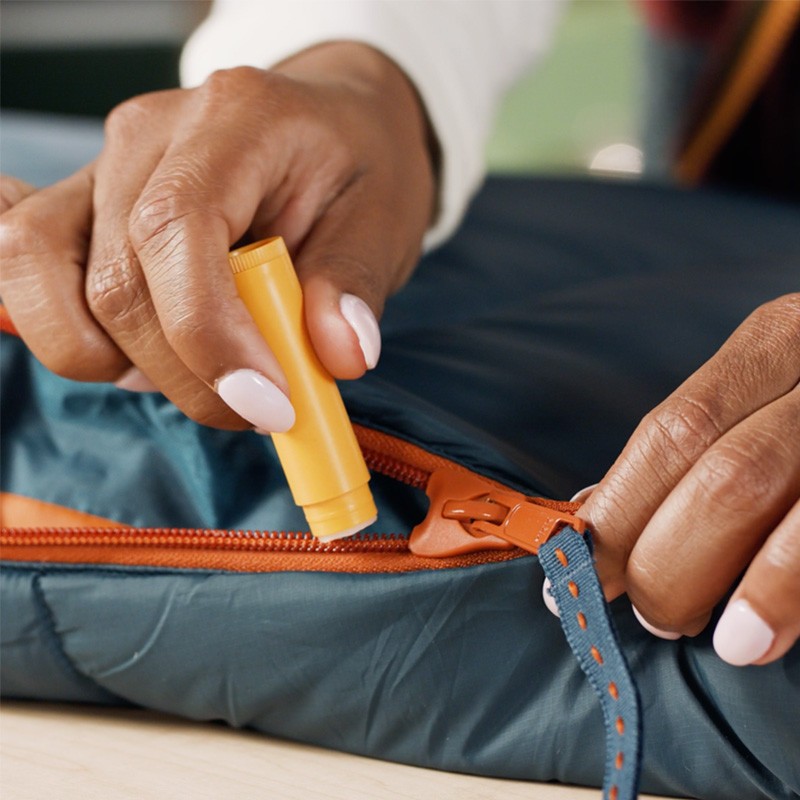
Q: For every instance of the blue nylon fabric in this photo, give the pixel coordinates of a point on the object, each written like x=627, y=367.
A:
x=464, y=670
x=621, y=704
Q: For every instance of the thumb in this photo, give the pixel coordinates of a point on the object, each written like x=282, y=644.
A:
x=343, y=328
x=348, y=266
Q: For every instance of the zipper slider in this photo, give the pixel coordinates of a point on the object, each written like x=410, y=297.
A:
x=468, y=513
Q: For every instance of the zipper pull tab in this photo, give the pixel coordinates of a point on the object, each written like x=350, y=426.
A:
x=468, y=514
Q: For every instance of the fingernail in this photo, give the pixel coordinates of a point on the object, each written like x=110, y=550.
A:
x=134, y=380
x=583, y=494
x=549, y=600
x=363, y=322
x=672, y=635
x=253, y=396
x=741, y=636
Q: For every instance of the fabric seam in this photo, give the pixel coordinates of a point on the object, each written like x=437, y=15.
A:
x=55, y=642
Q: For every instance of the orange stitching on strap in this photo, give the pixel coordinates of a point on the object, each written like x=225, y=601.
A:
x=582, y=620
x=620, y=726
x=596, y=655
x=613, y=792
x=561, y=557
x=613, y=691
x=619, y=759
x=573, y=588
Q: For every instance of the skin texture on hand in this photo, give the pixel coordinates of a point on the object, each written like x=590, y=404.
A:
x=124, y=264
x=707, y=490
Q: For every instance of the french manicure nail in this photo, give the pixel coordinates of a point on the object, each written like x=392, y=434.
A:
x=672, y=635
x=549, y=600
x=741, y=636
x=134, y=380
x=256, y=398
x=361, y=319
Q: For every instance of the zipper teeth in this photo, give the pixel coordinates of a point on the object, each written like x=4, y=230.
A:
x=276, y=541
x=394, y=468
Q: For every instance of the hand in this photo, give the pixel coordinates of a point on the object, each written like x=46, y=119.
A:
x=124, y=264
x=708, y=487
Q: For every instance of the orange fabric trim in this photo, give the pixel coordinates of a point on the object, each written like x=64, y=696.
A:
x=18, y=511
x=771, y=33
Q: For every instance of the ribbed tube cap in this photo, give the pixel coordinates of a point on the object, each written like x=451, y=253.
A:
x=253, y=255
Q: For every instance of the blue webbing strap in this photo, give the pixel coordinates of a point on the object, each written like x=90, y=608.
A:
x=568, y=563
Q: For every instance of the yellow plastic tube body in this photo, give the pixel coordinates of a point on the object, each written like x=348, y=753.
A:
x=319, y=454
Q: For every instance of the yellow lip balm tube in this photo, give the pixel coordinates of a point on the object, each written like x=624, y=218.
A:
x=319, y=454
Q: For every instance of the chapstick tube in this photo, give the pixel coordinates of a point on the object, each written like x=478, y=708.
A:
x=319, y=454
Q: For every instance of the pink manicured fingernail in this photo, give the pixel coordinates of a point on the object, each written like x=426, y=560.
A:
x=583, y=494
x=363, y=322
x=134, y=380
x=652, y=628
x=256, y=398
x=741, y=636
x=549, y=600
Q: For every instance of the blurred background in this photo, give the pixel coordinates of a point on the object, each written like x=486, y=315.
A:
x=82, y=57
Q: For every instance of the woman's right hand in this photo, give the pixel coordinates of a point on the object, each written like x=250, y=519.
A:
x=119, y=273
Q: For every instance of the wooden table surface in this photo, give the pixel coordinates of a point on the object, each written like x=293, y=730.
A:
x=60, y=752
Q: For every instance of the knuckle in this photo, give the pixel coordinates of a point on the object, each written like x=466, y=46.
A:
x=224, y=81
x=268, y=93
x=737, y=477
x=774, y=327
x=158, y=221
x=683, y=426
x=251, y=86
x=126, y=119
x=787, y=309
x=155, y=214
x=276, y=104
x=115, y=291
x=787, y=305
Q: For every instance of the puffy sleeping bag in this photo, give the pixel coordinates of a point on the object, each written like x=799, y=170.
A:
x=150, y=561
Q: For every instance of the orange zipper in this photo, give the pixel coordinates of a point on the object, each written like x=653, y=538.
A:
x=471, y=520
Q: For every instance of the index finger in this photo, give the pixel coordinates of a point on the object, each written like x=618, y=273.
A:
x=200, y=199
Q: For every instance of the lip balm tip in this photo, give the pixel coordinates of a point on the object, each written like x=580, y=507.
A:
x=332, y=537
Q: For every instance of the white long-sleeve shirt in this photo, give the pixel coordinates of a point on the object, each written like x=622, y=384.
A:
x=461, y=55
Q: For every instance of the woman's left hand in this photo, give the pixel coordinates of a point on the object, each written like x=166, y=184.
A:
x=708, y=488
